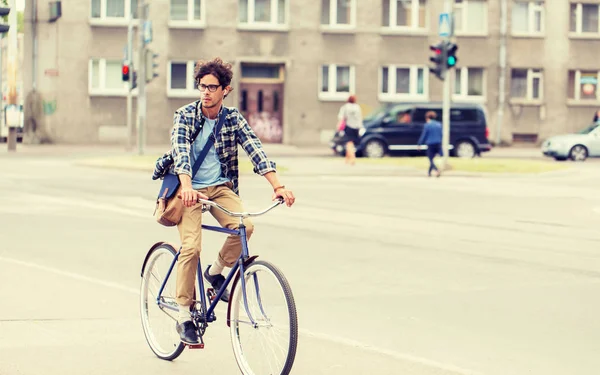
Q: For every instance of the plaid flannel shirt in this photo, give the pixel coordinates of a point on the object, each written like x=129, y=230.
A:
x=235, y=130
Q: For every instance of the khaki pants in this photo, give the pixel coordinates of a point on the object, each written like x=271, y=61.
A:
x=190, y=232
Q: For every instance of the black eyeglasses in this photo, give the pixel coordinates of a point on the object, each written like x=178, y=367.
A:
x=211, y=88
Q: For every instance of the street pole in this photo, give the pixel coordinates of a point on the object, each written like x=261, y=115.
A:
x=446, y=122
x=448, y=6
x=502, y=75
x=141, y=78
x=130, y=83
x=12, y=75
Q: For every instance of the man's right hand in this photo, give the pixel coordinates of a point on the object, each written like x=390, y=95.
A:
x=190, y=196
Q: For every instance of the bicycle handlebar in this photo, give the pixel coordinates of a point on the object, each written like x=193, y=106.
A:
x=241, y=214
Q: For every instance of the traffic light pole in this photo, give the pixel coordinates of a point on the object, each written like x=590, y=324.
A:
x=12, y=77
x=141, y=82
x=448, y=6
x=130, y=83
x=446, y=122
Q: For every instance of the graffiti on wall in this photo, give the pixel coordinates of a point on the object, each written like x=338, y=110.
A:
x=266, y=126
x=49, y=107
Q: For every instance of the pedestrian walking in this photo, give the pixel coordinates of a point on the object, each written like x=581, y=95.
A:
x=432, y=138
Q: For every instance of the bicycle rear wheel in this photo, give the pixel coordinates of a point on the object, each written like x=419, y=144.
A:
x=269, y=345
x=159, y=322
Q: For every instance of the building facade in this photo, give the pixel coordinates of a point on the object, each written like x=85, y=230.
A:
x=296, y=62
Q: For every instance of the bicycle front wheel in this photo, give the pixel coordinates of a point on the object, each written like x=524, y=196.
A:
x=159, y=321
x=264, y=322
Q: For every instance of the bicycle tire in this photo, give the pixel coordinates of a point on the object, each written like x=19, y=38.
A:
x=176, y=348
x=239, y=306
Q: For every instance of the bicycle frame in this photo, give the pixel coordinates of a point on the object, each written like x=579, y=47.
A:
x=209, y=315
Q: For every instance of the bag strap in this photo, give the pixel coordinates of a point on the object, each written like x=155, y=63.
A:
x=210, y=142
x=199, y=127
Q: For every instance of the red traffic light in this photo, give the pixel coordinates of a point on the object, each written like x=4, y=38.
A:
x=437, y=50
x=125, y=72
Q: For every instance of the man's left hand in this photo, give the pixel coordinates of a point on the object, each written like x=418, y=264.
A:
x=286, y=194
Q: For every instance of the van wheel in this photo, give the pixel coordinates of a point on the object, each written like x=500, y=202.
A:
x=374, y=149
x=465, y=149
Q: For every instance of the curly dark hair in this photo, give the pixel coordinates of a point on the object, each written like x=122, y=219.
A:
x=218, y=68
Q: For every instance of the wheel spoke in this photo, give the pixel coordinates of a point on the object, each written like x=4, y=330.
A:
x=267, y=346
x=159, y=322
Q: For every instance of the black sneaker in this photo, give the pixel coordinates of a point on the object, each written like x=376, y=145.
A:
x=187, y=333
x=217, y=282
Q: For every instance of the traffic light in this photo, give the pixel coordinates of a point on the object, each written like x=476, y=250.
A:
x=125, y=71
x=4, y=12
x=438, y=58
x=451, y=58
x=151, y=64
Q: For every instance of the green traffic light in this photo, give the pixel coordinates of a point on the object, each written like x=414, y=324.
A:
x=451, y=61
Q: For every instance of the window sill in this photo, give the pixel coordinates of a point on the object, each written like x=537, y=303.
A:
x=410, y=31
x=112, y=22
x=583, y=103
x=469, y=99
x=401, y=98
x=109, y=93
x=334, y=96
x=263, y=27
x=338, y=29
x=187, y=24
x=528, y=35
x=466, y=34
x=182, y=94
x=526, y=102
x=573, y=35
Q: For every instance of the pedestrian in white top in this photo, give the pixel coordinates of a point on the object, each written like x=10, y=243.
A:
x=351, y=114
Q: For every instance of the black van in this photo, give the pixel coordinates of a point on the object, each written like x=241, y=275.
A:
x=395, y=128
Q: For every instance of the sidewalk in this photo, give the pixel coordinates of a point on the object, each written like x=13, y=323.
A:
x=94, y=150
x=292, y=160
x=273, y=150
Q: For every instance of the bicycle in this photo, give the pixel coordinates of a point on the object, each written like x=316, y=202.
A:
x=161, y=307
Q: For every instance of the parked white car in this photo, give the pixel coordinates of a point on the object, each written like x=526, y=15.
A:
x=577, y=147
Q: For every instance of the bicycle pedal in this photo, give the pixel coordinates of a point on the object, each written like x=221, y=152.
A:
x=211, y=294
x=195, y=346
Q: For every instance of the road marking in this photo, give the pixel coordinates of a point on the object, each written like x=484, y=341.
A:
x=71, y=275
x=390, y=353
x=322, y=336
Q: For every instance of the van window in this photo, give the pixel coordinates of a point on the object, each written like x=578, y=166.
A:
x=419, y=115
x=463, y=115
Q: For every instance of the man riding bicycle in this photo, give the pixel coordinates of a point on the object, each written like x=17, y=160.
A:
x=216, y=180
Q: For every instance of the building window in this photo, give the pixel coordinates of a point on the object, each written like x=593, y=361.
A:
x=180, y=79
x=584, y=18
x=526, y=84
x=528, y=17
x=188, y=11
x=403, y=82
x=336, y=82
x=468, y=83
x=338, y=12
x=583, y=85
x=470, y=16
x=114, y=9
x=404, y=14
x=262, y=12
x=105, y=77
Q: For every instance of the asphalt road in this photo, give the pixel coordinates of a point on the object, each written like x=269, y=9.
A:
x=391, y=274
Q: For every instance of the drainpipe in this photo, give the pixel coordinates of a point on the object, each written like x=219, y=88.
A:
x=34, y=44
x=502, y=66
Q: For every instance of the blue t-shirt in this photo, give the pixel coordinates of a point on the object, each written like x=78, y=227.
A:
x=210, y=172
